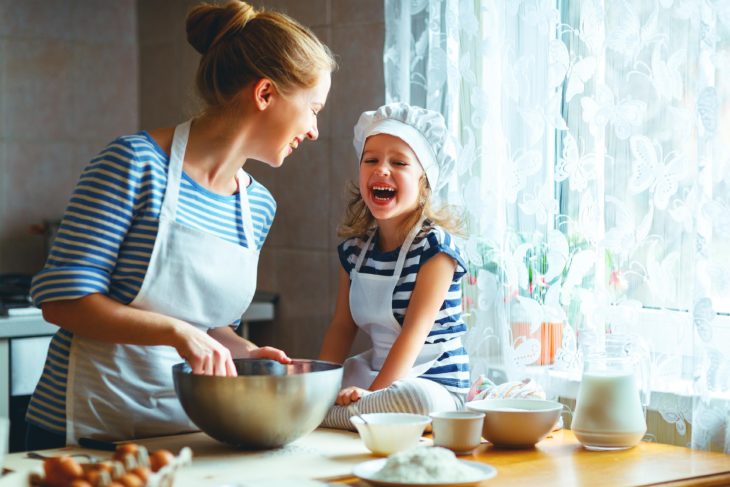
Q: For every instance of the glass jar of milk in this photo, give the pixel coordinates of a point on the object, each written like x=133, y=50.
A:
x=609, y=411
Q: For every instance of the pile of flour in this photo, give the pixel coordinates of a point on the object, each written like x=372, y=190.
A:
x=426, y=464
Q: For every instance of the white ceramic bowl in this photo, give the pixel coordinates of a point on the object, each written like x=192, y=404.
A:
x=516, y=423
x=387, y=433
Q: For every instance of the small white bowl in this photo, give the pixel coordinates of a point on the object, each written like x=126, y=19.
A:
x=516, y=423
x=387, y=433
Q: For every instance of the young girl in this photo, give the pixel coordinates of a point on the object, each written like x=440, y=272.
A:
x=401, y=272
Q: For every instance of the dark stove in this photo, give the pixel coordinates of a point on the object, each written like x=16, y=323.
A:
x=14, y=292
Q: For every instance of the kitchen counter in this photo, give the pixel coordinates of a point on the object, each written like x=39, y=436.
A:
x=325, y=454
x=31, y=325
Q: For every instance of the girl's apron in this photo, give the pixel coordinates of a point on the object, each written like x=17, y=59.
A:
x=118, y=392
x=371, y=306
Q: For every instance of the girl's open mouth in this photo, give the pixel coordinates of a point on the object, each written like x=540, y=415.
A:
x=382, y=194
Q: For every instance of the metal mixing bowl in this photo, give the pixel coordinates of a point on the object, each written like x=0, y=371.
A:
x=268, y=405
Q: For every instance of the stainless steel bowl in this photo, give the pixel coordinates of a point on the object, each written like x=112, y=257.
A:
x=268, y=405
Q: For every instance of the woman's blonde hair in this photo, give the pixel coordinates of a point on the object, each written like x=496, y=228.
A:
x=240, y=44
x=358, y=219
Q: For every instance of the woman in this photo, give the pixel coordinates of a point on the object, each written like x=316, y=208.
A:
x=156, y=256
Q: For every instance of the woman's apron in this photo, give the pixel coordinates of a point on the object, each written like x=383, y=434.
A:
x=118, y=392
x=371, y=306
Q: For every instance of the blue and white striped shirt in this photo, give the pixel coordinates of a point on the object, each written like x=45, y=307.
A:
x=452, y=368
x=106, y=238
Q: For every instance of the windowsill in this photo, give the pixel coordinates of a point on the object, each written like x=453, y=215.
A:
x=670, y=334
x=563, y=383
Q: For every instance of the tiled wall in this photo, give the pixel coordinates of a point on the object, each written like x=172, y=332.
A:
x=68, y=85
x=299, y=260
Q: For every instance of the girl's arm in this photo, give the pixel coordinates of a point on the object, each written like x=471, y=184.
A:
x=242, y=348
x=432, y=285
x=100, y=317
x=342, y=330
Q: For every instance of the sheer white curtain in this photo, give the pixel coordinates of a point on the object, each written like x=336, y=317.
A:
x=594, y=176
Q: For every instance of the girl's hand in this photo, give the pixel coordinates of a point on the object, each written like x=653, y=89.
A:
x=205, y=354
x=269, y=352
x=349, y=395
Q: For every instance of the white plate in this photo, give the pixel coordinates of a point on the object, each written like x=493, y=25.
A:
x=367, y=471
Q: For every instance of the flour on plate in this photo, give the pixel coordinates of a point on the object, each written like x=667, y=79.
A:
x=426, y=464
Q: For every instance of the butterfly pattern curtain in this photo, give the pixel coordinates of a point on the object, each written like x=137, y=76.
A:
x=594, y=178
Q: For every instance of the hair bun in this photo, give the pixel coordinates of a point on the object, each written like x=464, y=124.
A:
x=207, y=23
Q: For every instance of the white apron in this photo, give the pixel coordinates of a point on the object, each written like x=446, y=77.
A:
x=371, y=306
x=119, y=392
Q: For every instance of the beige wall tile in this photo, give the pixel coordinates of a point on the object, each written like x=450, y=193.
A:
x=3, y=91
x=302, y=197
x=358, y=85
x=105, y=91
x=309, y=12
x=302, y=283
x=357, y=11
x=113, y=23
x=4, y=184
x=343, y=168
x=38, y=89
x=162, y=20
x=39, y=178
x=302, y=311
x=68, y=85
x=35, y=19
x=266, y=279
x=159, y=99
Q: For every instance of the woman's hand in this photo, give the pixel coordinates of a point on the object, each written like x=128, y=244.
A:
x=349, y=395
x=269, y=352
x=242, y=348
x=205, y=354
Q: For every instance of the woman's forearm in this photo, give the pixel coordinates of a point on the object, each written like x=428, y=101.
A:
x=239, y=346
x=102, y=318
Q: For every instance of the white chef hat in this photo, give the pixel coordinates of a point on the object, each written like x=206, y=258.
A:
x=423, y=130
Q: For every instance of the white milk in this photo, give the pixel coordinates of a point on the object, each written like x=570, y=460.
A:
x=608, y=412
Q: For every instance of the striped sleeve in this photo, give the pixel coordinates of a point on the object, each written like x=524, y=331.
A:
x=263, y=211
x=98, y=216
x=348, y=252
x=438, y=241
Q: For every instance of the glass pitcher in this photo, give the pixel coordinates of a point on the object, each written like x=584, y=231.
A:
x=613, y=394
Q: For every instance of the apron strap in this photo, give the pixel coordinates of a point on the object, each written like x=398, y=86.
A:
x=363, y=251
x=174, y=170
x=404, y=248
x=246, y=219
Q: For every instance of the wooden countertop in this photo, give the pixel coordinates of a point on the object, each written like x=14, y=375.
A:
x=559, y=460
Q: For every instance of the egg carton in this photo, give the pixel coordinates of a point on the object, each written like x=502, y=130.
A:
x=121, y=471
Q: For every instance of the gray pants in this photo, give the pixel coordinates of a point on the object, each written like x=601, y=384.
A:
x=418, y=396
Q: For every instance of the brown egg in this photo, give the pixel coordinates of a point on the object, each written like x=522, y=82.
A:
x=142, y=472
x=159, y=459
x=130, y=480
x=106, y=466
x=81, y=483
x=100, y=476
x=125, y=449
x=61, y=471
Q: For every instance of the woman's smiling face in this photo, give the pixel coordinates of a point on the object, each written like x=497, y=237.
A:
x=390, y=175
x=291, y=120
